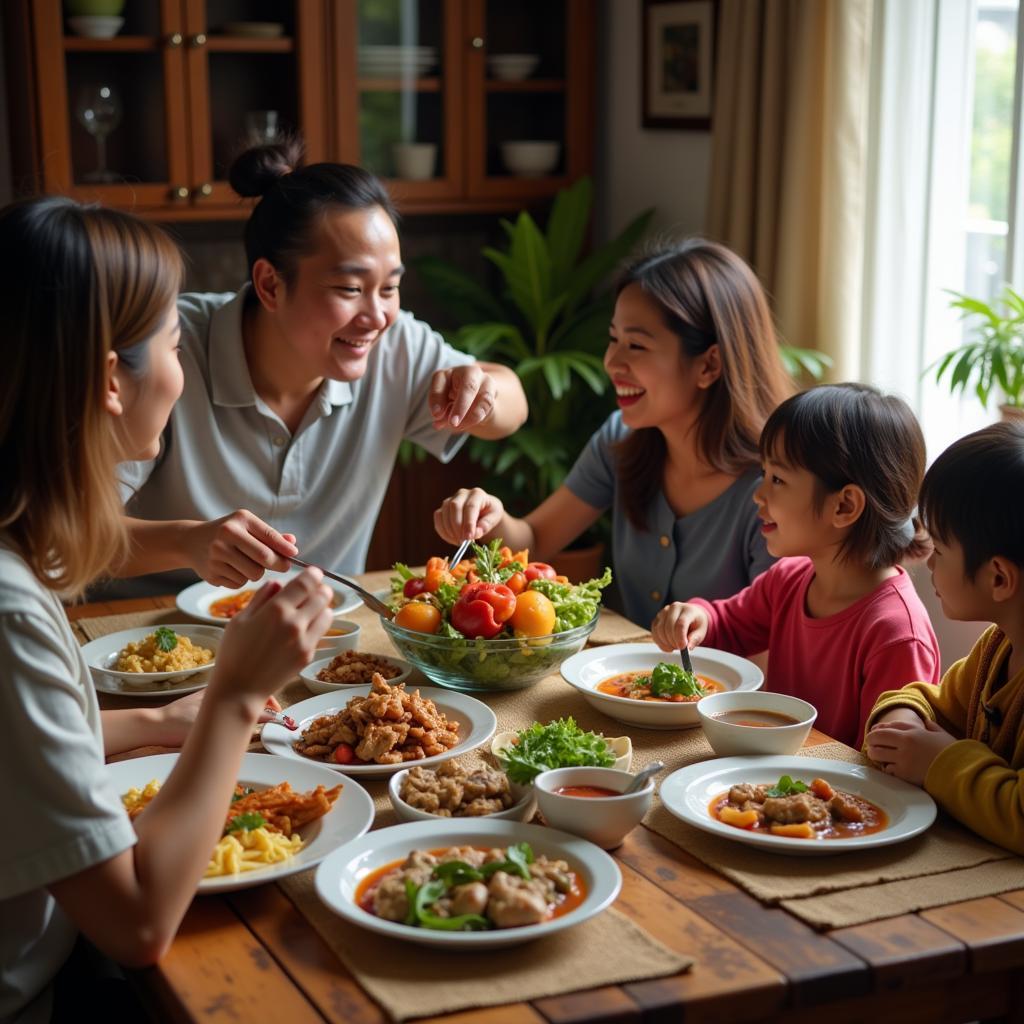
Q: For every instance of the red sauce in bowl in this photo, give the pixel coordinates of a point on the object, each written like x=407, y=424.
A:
x=589, y=791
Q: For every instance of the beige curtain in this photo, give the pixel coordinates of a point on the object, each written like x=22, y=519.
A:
x=789, y=161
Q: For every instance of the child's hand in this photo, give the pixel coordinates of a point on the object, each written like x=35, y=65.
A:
x=467, y=515
x=679, y=625
x=907, y=749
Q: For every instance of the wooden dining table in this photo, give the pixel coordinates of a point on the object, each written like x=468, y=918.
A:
x=250, y=956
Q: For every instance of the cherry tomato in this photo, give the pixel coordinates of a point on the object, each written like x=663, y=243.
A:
x=419, y=616
x=344, y=754
x=540, y=571
x=516, y=582
x=534, y=615
x=414, y=587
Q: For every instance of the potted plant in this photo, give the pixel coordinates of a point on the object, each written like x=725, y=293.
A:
x=992, y=359
x=550, y=324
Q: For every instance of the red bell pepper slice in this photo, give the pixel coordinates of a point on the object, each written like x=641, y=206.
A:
x=482, y=609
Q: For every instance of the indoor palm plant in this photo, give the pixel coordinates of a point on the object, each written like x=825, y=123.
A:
x=549, y=322
x=992, y=357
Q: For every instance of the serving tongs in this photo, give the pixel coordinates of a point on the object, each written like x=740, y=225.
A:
x=371, y=602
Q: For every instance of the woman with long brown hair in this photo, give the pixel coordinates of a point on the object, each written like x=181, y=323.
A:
x=693, y=356
x=91, y=373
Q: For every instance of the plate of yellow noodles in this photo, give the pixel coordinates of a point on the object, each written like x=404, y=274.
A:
x=283, y=817
x=154, y=661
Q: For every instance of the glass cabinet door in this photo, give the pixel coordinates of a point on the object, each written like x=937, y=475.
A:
x=398, y=80
x=255, y=71
x=121, y=132
x=530, y=69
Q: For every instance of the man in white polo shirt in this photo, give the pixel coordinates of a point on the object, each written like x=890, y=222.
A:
x=299, y=390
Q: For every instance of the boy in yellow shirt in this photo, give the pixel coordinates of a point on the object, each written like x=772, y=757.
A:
x=963, y=740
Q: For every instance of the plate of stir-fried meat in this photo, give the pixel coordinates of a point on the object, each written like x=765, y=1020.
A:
x=798, y=805
x=472, y=884
x=287, y=798
x=376, y=730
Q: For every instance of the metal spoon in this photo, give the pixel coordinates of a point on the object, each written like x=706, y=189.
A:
x=641, y=777
x=371, y=602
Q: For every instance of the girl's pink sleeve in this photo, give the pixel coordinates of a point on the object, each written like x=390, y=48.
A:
x=742, y=623
x=892, y=667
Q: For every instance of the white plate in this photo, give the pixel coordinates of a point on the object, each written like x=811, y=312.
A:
x=349, y=818
x=588, y=668
x=688, y=791
x=340, y=874
x=195, y=601
x=101, y=656
x=476, y=726
x=308, y=675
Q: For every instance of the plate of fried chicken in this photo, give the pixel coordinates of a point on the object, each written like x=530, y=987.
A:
x=374, y=731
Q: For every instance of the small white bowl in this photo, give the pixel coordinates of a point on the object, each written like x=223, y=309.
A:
x=512, y=67
x=95, y=26
x=308, y=674
x=728, y=739
x=604, y=820
x=620, y=746
x=530, y=159
x=522, y=810
x=345, y=637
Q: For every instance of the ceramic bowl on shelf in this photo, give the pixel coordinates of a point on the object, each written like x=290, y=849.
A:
x=414, y=161
x=512, y=67
x=95, y=26
x=530, y=159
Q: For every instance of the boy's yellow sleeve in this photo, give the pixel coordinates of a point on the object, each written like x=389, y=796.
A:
x=981, y=791
x=945, y=702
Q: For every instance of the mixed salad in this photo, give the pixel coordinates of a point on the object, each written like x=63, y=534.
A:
x=497, y=594
x=495, y=621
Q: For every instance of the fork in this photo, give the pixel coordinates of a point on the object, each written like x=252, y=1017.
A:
x=460, y=553
x=684, y=653
x=371, y=602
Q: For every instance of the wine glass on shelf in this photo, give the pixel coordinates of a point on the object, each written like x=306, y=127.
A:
x=98, y=109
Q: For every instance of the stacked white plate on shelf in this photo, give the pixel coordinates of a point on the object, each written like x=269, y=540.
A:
x=396, y=61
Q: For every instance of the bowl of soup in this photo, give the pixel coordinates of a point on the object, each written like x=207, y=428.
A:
x=341, y=635
x=755, y=723
x=590, y=802
x=641, y=685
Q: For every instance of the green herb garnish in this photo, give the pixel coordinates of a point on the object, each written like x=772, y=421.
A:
x=420, y=899
x=488, y=563
x=787, y=786
x=559, y=744
x=667, y=680
x=246, y=791
x=246, y=822
x=166, y=639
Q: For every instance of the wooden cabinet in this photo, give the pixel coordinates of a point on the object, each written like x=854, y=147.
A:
x=426, y=93
x=466, y=77
x=185, y=75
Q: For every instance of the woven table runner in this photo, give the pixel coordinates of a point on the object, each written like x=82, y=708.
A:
x=946, y=864
x=412, y=981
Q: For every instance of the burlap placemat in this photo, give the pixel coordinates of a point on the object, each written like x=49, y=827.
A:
x=848, y=889
x=412, y=981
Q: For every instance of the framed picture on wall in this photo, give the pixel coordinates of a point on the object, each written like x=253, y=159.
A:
x=678, y=63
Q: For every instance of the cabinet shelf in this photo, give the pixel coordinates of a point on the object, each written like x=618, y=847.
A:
x=119, y=44
x=399, y=85
x=526, y=85
x=246, y=44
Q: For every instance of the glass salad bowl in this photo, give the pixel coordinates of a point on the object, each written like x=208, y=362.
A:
x=508, y=663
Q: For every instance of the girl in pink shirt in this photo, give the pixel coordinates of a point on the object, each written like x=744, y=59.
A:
x=839, y=616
